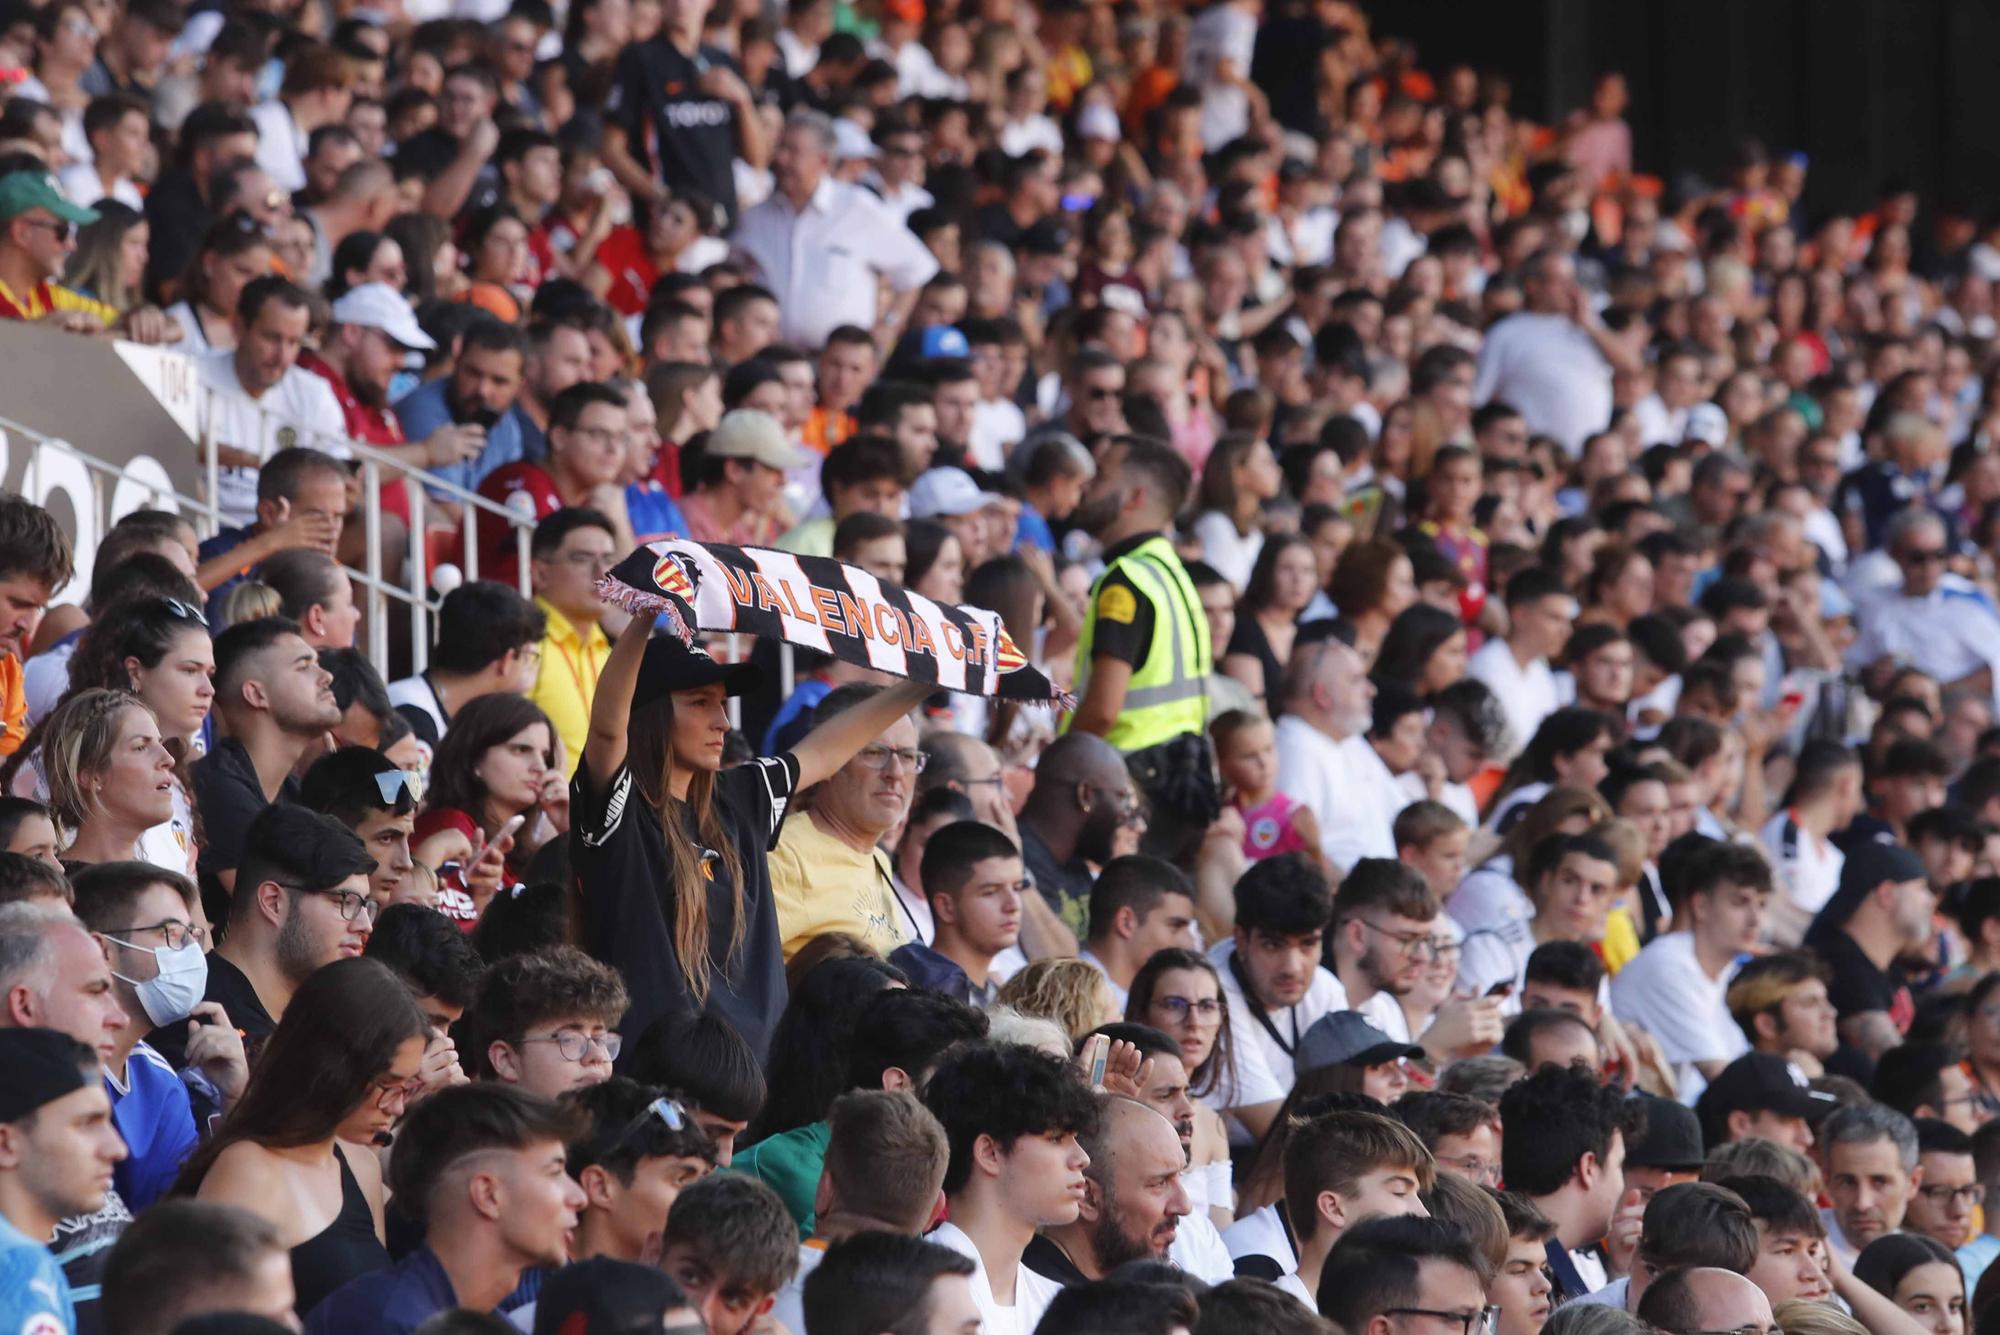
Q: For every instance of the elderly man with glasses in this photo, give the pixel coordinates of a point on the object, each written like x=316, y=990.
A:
x=1936, y=621
x=828, y=871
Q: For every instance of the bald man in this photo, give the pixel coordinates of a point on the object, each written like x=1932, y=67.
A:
x=1702, y=1298
x=1133, y=1200
x=1082, y=795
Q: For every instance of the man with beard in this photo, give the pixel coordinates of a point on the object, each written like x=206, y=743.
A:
x=1133, y=1200
x=274, y=700
x=479, y=393
x=374, y=331
x=1382, y=943
x=1143, y=659
x=302, y=902
x=1881, y=915
x=1197, y=1247
x=588, y=431
x=1082, y=794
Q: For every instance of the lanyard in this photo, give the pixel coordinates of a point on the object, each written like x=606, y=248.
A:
x=586, y=693
x=1256, y=1009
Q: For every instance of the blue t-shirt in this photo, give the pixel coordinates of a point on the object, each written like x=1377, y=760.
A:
x=156, y=1117
x=653, y=513
x=34, y=1300
x=423, y=410
x=1031, y=530
x=386, y=1302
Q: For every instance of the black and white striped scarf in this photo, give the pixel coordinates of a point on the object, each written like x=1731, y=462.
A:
x=816, y=602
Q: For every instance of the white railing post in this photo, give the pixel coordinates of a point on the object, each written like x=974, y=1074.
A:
x=420, y=641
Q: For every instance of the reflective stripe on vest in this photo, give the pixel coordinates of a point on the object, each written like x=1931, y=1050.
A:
x=1167, y=695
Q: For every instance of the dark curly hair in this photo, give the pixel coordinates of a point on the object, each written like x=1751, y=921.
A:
x=1552, y=1119
x=1006, y=1092
x=560, y=983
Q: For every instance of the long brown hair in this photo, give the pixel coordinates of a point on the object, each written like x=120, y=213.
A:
x=651, y=754
x=338, y=1037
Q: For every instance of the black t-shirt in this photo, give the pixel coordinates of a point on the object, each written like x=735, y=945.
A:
x=1048, y=1260
x=1065, y=885
x=231, y=989
x=1122, y=612
x=1858, y=987
x=82, y=1244
x=670, y=124
x=230, y=795
x=625, y=875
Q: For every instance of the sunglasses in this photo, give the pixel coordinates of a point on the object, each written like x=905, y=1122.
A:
x=670, y=1113
x=185, y=611
x=60, y=228
x=388, y=783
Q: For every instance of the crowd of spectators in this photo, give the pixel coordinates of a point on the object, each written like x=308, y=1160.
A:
x=1522, y=852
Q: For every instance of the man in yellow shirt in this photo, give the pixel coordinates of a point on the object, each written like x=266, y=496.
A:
x=570, y=549
x=828, y=872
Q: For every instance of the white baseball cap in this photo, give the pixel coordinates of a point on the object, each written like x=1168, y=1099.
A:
x=947, y=491
x=748, y=434
x=850, y=142
x=379, y=306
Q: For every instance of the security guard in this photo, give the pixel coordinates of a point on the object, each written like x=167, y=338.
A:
x=1144, y=658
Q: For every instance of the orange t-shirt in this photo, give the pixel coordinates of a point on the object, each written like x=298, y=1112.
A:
x=13, y=705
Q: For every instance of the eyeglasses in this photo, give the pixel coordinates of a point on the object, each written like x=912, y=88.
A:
x=353, y=903
x=1482, y=1317
x=878, y=757
x=1941, y=1196
x=598, y=561
x=175, y=932
x=671, y=1115
x=185, y=611
x=1921, y=555
x=390, y=782
x=602, y=435
x=1416, y=945
x=401, y=1091
x=1208, y=1008
x=60, y=228
x=1471, y=1165
x=576, y=1047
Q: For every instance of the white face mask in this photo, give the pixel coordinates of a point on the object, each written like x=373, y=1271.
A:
x=170, y=996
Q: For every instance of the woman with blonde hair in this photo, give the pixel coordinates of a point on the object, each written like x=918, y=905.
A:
x=1069, y=991
x=109, y=262
x=110, y=775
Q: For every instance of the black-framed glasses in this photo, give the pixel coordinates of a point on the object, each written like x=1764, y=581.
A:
x=1940, y=1195
x=186, y=611
x=352, y=903
x=1479, y=1318
x=390, y=782
x=173, y=931
x=1416, y=945
x=1208, y=1008
x=576, y=1046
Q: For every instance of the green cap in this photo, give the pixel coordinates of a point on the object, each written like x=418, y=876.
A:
x=24, y=190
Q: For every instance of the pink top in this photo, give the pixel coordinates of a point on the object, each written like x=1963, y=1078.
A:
x=1268, y=829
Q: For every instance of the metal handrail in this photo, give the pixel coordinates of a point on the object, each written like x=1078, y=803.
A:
x=207, y=518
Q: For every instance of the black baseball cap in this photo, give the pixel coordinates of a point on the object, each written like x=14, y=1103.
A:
x=1762, y=1082
x=39, y=1066
x=671, y=666
x=1672, y=1140
x=1868, y=866
x=601, y=1296
x=1346, y=1038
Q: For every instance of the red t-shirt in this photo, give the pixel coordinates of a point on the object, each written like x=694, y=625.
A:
x=370, y=426
x=623, y=255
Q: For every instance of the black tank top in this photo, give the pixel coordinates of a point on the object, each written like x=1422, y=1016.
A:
x=342, y=1250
